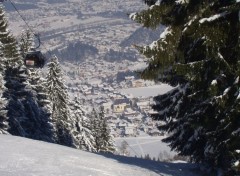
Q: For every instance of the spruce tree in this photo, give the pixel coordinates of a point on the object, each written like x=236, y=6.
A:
x=38, y=108
x=198, y=51
x=102, y=139
x=60, y=103
x=9, y=43
x=26, y=42
x=16, y=93
x=22, y=108
x=3, y=112
x=107, y=142
x=3, y=102
x=95, y=129
x=82, y=134
x=14, y=78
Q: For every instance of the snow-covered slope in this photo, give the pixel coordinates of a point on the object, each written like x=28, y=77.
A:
x=25, y=157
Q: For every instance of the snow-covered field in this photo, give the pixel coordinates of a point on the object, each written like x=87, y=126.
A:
x=147, y=91
x=146, y=145
x=25, y=157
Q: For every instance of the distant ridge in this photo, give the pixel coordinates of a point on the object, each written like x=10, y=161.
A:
x=142, y=36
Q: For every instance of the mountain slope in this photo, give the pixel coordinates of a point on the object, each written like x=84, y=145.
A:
x=142, y=36
x=21, y=156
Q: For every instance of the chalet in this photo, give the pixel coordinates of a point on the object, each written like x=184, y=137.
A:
x=120, y=105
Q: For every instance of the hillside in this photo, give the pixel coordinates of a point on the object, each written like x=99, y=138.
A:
x=21, y=156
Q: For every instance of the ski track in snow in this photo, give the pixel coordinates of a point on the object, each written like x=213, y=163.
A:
x=140, y=147
x=142, y=143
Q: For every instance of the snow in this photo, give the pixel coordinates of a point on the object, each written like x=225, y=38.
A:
x=182, y=1
x=133, y=16
x=147, y=91
x=143, y=145
x=226, y=90
x=212, y=18
x=21, y=156
x=238, y=97
x=236, y=80
x=165, y=33
x=214, y=82
x=189, y=23
x=158, y=3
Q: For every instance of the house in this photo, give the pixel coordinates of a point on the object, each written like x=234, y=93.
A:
x=155, y=132
x=119, y=105
x=130, y=130
x=129, y=112
x=121, y=125
x=137, y=83
x=144, y=105
x=129, y=78
x=135, y=119
x=107, y=106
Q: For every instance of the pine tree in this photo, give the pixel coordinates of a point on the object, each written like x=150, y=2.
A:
x=107, y=143
x=3, y=102
x=9, y=44
x=102, y=139
x=23, y=111
x=123, y=149
x=82, y=134
x=16, y=93
x=26, y=42
x=60, y=103
x=38, y=108
x=198, y=51
x=13, y=77
x=3, y=112
x=95, y=129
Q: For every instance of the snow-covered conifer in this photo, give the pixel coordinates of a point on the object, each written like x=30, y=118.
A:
x=83, y=138
x=3, y=112
x=95, y=129
x=107, y=142
x=26, y=42
x=9, y=44
x=198, y=51
x=38, y=108
x=101, y=132
x=60, y=103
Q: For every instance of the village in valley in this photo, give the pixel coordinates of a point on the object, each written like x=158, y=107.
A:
x=97, y=83
x=98, y=59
